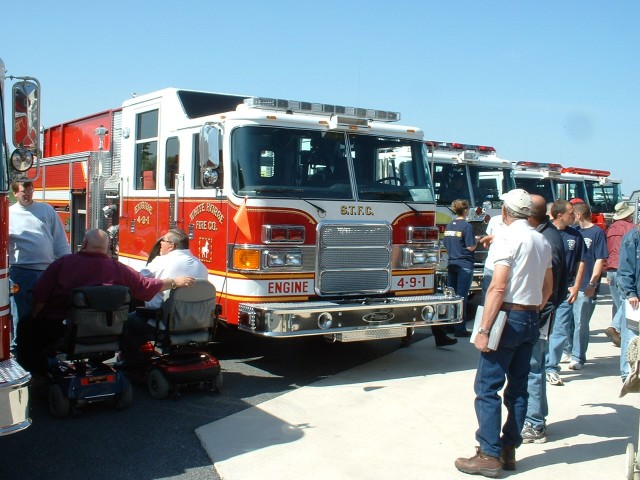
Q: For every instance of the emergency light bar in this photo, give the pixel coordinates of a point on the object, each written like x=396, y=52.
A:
x=552, y=167
x=483, y=149
x=320, y=109
x=587, y=171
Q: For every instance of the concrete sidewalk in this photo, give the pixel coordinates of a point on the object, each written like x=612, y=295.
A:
x=410, y=414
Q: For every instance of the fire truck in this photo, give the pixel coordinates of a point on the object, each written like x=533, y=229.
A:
x=313, y=219
x=553, y=182
x=471, y=172
x=14, y=380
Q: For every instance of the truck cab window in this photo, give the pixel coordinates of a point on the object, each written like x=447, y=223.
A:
x=146, y=150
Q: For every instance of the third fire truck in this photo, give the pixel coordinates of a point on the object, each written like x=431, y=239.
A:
x=553, y=181
x=312, y=219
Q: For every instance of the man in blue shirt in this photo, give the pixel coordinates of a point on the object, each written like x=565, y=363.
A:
x=596, y=254
x=563, y=215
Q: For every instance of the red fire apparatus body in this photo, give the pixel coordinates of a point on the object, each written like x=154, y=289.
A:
x=14, y=380
x=312, y=219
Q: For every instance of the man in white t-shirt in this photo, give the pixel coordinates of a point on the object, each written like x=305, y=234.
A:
x=174, y=260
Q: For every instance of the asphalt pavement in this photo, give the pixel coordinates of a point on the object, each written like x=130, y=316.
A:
x=409, y=415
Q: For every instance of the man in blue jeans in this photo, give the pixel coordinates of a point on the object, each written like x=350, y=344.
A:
x=535, y=427
x=628, y=281
x=522, y=282
x=622, y=223
x=596, y=254
x=563, y=216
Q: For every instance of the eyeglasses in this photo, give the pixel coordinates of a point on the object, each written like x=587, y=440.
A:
x=165, y=240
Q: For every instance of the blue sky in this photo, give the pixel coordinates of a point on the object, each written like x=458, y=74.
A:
x=547, y=81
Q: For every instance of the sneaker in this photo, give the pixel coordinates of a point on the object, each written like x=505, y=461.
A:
x=566, y=358
x=575, y=366
x=480, y=464
x=554, y=379
x=533, y=435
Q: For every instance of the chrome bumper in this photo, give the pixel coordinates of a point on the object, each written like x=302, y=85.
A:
x=14, y=397
x=350, y=319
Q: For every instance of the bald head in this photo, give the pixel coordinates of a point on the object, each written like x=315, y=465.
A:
x=96, y=241
x=538, y=208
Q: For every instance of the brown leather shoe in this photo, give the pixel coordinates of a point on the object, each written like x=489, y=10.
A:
x=613, y=335
x=480, y=464
x=508, y=457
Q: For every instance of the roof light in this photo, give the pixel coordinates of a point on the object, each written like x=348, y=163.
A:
x=587, y=171
x=553, y=167
x=480, y=149
x=320, y=108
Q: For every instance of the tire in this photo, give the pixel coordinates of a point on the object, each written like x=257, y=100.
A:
x=157, y=384
x=59, y=404
x=407, y=340
x=631, y=462
x=125, y=399
x=218, y=381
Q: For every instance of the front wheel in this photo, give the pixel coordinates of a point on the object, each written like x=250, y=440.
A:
x=158, y=384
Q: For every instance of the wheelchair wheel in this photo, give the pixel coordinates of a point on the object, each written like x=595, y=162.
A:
x=125, y=399
x=158, y=384
x=218, y=382
x=59, y=404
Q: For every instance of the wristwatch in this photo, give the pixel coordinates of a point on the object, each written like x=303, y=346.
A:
x=592, y=284
x=483, y=331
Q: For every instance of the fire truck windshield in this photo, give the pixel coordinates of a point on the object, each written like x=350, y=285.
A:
x=267, y=161
x=603, y=197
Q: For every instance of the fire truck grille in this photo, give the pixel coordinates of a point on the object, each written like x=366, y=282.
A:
x=354, y=259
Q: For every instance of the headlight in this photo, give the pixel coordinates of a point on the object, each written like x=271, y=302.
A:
x=283, y=258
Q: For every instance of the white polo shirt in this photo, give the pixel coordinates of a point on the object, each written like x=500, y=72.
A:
x=528, y=254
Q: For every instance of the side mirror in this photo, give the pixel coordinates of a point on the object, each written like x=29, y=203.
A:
x=209, y=146
x=209, y=149
x=26, y=114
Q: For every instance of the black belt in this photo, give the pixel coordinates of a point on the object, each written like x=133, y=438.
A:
x=507, y=307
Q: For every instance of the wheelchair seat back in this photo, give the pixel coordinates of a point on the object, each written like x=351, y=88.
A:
x=187, y=313
x=96, y=319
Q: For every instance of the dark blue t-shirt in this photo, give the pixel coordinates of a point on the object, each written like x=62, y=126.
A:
x=595, y=243
x=458, y=235
x=574, y=249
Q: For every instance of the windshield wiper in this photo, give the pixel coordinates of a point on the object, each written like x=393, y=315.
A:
x=287, y=192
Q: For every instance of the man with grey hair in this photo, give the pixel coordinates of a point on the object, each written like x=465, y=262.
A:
x=174, y=258
x=521, y=284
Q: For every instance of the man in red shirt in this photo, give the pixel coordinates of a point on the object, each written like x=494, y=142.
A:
x=623, y=222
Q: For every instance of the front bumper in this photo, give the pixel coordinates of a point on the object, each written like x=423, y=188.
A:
x=357, y=319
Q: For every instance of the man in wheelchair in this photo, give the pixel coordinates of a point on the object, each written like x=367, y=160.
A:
x=170, y=258
x=40, y=334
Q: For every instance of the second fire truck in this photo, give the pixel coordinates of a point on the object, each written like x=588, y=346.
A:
x=313, y=219
x=474, y=173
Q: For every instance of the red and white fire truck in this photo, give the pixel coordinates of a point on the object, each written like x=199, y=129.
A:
x=553, y=182
x=471, y=172
x=14, y=380
x=313, y=219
